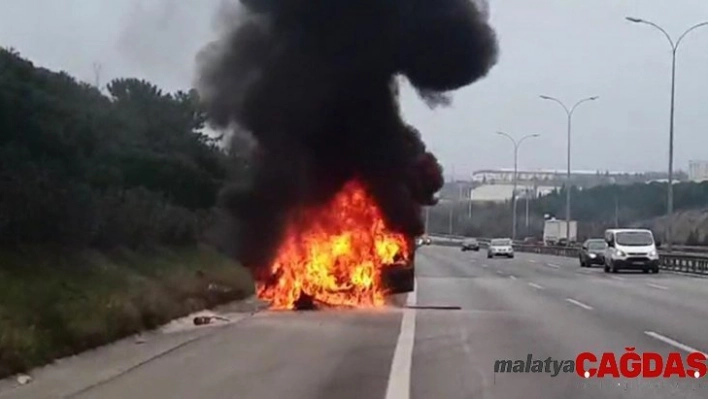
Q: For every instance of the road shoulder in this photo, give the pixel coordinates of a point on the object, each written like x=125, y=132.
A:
x=71, y=375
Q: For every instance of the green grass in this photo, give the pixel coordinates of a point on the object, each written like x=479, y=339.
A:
x=55, y=304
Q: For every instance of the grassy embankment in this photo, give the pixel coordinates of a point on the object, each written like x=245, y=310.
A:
x=55, y=304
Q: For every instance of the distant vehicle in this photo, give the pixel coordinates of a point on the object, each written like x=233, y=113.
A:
x=423, y=240
x=565, y=243
x=554, y=232
x=530, y=241
x=592, y=252
x=500, y=247
x=633, y=249
x=470, y=244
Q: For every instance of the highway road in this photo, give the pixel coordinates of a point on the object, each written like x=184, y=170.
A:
x=509, y=308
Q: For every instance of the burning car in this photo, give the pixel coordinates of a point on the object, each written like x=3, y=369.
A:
x=331, y=203
x=339, y=255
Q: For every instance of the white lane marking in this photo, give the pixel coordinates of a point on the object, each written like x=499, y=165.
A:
x=500, y=272
x=512, y=277
x=673, y=343
x=657, y=286
x=536, y=286
x=578, y=303
x=412, y=297
x=533, y=261
x=617, y=278
x=553, y=266
x=399, y=379
x=485, y=266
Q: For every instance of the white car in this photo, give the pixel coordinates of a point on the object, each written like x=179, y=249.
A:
x=500, y=247
x=633, y=249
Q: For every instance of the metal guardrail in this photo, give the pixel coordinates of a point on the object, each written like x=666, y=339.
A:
x=678, y=262
x=684, y=261
x=683, y=249
x=454, y=241
x=690, y=249
x=687, y=263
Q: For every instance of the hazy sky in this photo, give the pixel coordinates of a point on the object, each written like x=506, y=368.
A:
x=568, y=49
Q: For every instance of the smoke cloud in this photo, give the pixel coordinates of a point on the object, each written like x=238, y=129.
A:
x=314, y=83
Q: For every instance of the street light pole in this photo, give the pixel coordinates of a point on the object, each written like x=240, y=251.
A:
x=674, y=49
x=569, y=112
x=513, y=194
x=449, y=226
x=527, y=210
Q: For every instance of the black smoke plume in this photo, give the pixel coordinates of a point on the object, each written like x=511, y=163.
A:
x=313, y=82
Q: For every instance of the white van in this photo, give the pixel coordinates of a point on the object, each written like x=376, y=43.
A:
x=632, y=249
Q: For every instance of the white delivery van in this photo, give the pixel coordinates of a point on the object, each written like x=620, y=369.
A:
x=631, y=249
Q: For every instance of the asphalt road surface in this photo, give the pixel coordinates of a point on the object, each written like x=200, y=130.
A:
x=539, y=305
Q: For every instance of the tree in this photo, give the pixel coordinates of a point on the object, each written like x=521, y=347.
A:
x=77, y=167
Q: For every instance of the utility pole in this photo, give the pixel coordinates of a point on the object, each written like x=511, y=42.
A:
x=427, y=220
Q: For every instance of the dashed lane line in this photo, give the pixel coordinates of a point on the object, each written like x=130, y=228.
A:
x=578, y=303
x=673, y=343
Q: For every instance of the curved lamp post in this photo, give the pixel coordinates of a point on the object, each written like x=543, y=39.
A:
x=569, y=112
x=674, y=47
x=516, y=158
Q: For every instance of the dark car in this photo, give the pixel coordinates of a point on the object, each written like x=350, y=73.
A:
x=424, y=240
x=592, y=252
x=470, y=244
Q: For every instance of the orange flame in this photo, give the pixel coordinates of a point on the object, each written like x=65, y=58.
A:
x=334, y=254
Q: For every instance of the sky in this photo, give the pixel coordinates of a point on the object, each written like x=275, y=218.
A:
x=568, y=49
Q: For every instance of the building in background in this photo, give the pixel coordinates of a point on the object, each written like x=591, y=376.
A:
x=504, y=175
x=503, y=192
x=698, y=171
x=496, y=185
